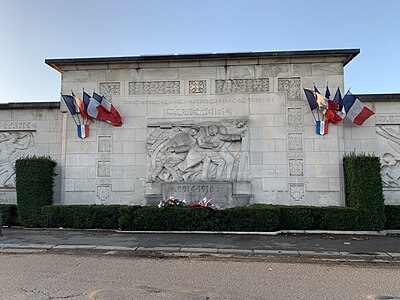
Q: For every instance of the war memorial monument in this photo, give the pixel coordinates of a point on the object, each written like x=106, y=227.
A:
x=234, y=127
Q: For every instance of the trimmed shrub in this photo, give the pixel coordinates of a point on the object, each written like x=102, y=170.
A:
x=9, y=212
x=249, y=219
x=66, y=216
x=392, y=213
x=34, y=185
x=335, y=218
x=363, y=188
x=296, y=217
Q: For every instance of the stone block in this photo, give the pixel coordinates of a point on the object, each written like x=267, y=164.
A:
x=272, y=70
x=122, y=185
x=197, y=73
x=326, y=69
x=231, y=72
x=262, y=145
x=327, y=171
x=160, y=73
x=274, y=158
x=274, y=184
x=300, y=69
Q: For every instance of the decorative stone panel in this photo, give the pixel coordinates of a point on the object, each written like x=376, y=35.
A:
x=109, y=89
x=154, y=87
x=242, y=86
x=295, y=141
x=291, y=86
x=294, y=116
x=103, y=192
x=104, y=144
x=103, y=169
x=296, y=167
x=296, y=192
x=197, y=86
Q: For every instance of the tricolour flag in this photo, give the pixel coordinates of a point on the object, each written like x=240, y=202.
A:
x=355, y=111
x=311, y=99
x=322, y=127
x=341, y=112
x=320, y=100
x=107, y=111
x=81, y=108
x=83, y=131
x=70, y=103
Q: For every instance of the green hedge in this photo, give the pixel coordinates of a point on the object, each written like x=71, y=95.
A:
x=34, y=186
x=363, y=188
x=253, y=218
x=9, y=213
x=392, y=213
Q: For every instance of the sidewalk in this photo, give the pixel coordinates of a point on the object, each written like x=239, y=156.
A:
x=344, y=246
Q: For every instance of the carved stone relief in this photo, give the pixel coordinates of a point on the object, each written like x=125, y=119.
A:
x=103, y=192
x=291, y=86
x=295, y=141
x=104, y=144
x=13, y=145
x=294, y=117
x=103, y=169
x=242, y=86
x=197, y=86
x=154, y=87
x=108, y=89
x=204, y=151
x=296, y=191
x=390, y=166
x=296, y=167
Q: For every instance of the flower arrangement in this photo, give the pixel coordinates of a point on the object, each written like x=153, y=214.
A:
x=206, y=203
x=171, y=201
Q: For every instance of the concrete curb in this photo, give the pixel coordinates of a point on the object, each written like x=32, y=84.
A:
x=185, y=251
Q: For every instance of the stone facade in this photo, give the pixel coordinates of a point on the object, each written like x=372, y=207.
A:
x=234, y=127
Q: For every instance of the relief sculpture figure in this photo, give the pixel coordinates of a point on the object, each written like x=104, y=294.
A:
x=390, y=171
x=202, y=152
x=12, y=146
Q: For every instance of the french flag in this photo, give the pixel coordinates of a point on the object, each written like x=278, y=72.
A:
x=99, y=108
x=321, y=127
x=355, y=111
x=83, y=131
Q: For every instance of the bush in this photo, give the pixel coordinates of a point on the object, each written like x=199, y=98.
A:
x=296, y=217
x=335, y=218
x=392, y=213
x=364, y=192
x=34, y=186
x=9, y=213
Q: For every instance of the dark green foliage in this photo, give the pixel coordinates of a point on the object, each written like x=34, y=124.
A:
x=363, y=187
x=296, y=217
x=250, y=219
x=335, y=218
x=392, y=213
x=34, y=185
x=9, y=212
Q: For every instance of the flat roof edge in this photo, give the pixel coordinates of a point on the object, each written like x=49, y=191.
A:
x=30, y=105
x=350, y=53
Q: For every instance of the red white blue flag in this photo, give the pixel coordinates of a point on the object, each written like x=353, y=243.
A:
x=355, y=111
x=83, y=131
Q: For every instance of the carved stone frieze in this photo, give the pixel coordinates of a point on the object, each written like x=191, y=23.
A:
x=154, y=87
x=197, y=86
x=104, y=144
x=204, y=151
x=291, y=86
x=13, y=145
x=295, y=141
x=294, y=116
x=109, y=89
x=242, y=86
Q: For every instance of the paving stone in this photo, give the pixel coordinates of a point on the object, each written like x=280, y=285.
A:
x=202, y=250
x=236, y=251
x=161, y=249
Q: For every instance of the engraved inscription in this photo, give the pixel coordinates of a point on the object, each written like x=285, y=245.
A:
x=295, y=141
x=232, y=86
x=216, y=100
x=291, y=86
x=296, y=191
x=103, y=192
x=294, y=116
x=104, y=144
x=193, y=112
x=104, y=169
x=108, y=89
x=154, y=87
x=197, y=86
x=17, y=125
x=387, y=119
x=8, y=197
x=296, y=167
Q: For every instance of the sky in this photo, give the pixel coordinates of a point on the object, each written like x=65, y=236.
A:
x=34, y=30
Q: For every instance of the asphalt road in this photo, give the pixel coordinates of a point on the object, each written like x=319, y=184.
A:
x=75, y=276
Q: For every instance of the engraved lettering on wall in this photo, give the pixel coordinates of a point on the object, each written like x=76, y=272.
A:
x=154, y=87
x=239, y=86
x=204, y=151
x=104, y=144
x=13, y=145
x=108, y=89
x=291, y=86
x=197, y=86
